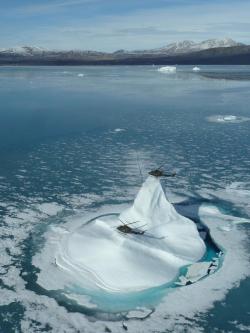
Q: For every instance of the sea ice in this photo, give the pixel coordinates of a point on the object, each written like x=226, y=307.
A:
x=175, y=305
x=98, y=256
x=167, y=69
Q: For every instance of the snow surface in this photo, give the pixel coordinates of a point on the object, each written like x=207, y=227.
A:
x=100, y=257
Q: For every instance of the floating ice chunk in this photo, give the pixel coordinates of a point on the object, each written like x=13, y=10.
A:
x=195, y=273
x=196, y=69
x=80, y=75
x=139, y=313
x=167, y=69
x=227, y=119
x=49, y=208
x=117, y=130
x=98, y=256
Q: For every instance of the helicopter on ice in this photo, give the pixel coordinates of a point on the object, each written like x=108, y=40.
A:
x=127, y=228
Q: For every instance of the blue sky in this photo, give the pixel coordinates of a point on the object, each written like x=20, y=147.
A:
x=108, y=25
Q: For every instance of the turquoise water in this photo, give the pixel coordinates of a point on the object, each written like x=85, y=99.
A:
x=74, y=144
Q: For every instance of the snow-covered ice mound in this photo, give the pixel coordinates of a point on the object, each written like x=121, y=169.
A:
x=101, y=257
x=167, y=69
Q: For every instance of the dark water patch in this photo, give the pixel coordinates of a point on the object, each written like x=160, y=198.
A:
x=10, y=317
x=241, y=76
x=231, y=315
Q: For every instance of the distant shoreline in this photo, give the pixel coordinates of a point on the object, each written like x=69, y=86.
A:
x=236, y=55
x=137, y=63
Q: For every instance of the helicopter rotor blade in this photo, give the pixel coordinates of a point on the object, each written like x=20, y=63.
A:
x=139, y=227
x=129, y=222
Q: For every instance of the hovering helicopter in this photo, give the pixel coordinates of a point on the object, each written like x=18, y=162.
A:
x=160, y=173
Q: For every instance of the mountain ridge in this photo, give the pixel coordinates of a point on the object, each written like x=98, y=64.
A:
x=184, y=46
x=187, y=46
x=186, y=52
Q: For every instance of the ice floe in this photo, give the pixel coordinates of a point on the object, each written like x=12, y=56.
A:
x=223, y=119
x=119, y=130
x=167, y=69
x=197, y=271
x=49, y=208
x=196, y=69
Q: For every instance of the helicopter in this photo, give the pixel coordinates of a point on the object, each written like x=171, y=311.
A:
x=159, y=172
x=126, y=229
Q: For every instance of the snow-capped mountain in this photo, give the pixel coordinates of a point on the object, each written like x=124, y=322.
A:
x=214, y=51
x=176, y=48
x=24, y=50
x=188, y=46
